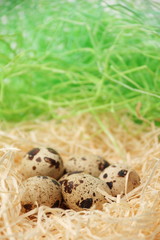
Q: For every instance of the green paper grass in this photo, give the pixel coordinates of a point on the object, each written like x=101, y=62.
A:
x=82, y=56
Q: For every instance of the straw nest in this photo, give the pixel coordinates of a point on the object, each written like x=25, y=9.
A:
x=137, y=216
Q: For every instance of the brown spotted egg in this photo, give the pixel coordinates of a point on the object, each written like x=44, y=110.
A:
x=81, y=191
x=40, y=190
x=88, y=163
x=42, y=161
x=120, y=179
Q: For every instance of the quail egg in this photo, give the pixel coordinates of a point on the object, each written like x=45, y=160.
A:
x=41, y=190
x=120, y=179
x=81, y=191
x=42, y=161
x=88, y=163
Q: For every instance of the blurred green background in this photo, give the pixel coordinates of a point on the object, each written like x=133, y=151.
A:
x=82, y=56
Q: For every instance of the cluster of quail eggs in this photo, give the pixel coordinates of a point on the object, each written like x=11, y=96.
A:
x=80, y=183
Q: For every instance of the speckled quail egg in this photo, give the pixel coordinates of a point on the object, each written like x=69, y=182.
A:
x=120, y=179
x=41, y=190
x=81, y=191
x=42, y=161
x=88, y=163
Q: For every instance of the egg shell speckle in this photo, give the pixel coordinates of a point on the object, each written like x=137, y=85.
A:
x=80, y=191
x=88, y=163
x=42, y=190
x=42, y=161
x=118, y=177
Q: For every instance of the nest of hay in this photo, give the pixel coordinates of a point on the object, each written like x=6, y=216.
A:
x=136, y=216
